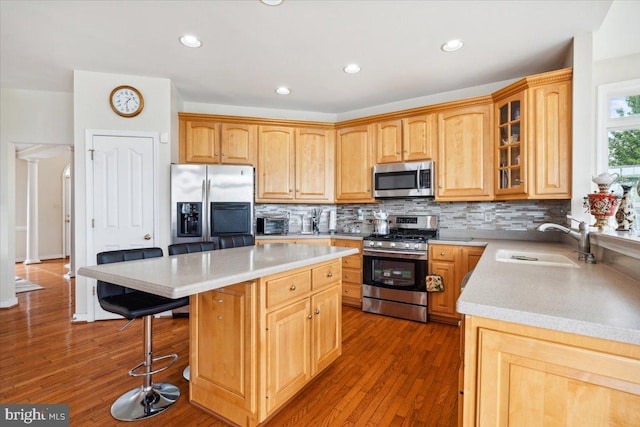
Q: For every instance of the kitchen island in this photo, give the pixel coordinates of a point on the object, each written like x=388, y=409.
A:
x=264, y=320
x=549, y=340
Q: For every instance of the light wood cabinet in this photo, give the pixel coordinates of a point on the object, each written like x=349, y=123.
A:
x=276, y=163
x=510, y=153
x=314, y=176
x=550, y=134
x=533, y=138
x=213, y=142
x=408, y=139
x=351, y=272
x=520, y=375
x=223, y=330
x=465, y=154
x=294, y=165
x=452, y=262
x=254, y=345
x=354, y=165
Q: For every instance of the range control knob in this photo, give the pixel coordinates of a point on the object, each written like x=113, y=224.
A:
x=393, y=245
x=417, y=246
x=407, y=246
x=379, y=243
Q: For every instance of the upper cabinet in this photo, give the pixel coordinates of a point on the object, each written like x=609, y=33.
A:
x=295, y=165
x=354, y=165
x=406, y=139
x=465, y=157
x=533, y=138
x=205, y=141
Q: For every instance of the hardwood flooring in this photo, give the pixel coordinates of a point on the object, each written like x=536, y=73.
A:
x=392, y=372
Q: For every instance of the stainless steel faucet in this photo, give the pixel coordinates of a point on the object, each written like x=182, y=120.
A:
x=584, y=243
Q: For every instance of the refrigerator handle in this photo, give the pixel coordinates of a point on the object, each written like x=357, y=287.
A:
x=205, y=216
x=209, y=215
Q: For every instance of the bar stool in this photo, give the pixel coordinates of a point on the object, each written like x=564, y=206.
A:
x=236, y=240
x=151, y=398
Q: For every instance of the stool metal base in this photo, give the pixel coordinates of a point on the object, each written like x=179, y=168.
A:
x=186, y=374
x=141, y=403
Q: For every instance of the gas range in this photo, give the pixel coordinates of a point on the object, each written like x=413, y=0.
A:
x=408, y=234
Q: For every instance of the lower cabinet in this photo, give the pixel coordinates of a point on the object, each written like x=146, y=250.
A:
x=452, y=262
x=351, y=273
x=520, y=375
x=256, y=344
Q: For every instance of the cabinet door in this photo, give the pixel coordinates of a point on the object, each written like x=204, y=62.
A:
x=419, y=137
x=275, y=170
x=221, y=331
x=238, y=144
x=444, y=303
x=465, y=155
x=550, y=148
x=469, y=257
x=202, y=142
x=353, y=169
x=326, y=333
x=524, y=381
x=510, y=146
x=314, y=164
x=288, y=352
x=389, y=141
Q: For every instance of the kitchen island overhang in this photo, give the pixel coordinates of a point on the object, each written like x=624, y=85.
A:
x=178, y=276
x=264, y=321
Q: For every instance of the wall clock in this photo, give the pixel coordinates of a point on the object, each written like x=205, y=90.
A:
x=126, y=101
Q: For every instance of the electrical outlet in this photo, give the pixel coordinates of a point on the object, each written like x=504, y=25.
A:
x=488, y=217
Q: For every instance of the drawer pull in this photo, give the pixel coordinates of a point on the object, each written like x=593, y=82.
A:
x=220, y=301
x=317, y=311
x=329, y=274
x=441, y=253
x=293, y=287
x=346, y=276
x=309, y=317
x=346, y=291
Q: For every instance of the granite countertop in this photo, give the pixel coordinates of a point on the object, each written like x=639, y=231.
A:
x=590, y=299
x=182, y=275
x=349, y=236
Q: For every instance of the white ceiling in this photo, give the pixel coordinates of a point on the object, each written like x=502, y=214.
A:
x=249, y=49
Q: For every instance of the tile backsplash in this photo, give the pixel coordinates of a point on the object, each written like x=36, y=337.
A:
x=517, y=215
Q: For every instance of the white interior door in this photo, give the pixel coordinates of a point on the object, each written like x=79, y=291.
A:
x=66, y=213
x=123, y=197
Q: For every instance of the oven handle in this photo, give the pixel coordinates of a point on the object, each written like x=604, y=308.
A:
x=395, y=254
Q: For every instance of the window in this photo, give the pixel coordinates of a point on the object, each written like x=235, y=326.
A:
x=619, y=138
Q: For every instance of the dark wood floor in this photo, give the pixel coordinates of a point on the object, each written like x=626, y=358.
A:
x=392, y=372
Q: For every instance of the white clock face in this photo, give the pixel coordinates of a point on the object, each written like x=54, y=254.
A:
x=126, y=101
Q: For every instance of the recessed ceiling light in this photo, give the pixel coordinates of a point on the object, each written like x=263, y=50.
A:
x=271, y=2
x=283, y=90
x=351, y=69
x=190, y=41
x=452, y=45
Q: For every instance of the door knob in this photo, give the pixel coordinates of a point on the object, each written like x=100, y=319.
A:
x=147, y=237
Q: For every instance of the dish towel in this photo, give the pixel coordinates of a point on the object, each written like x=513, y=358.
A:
x=434, y=283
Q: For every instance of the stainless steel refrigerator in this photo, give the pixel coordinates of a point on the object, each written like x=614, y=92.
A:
x=210, y=200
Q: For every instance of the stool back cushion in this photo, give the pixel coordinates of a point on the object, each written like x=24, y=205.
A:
x=236, y=240
x=189, y=248
x=106, y=289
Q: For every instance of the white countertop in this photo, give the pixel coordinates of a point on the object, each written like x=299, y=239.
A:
x=593, y=299
x=182, y=275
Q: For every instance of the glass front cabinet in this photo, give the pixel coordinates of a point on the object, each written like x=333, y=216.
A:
x=510, y=147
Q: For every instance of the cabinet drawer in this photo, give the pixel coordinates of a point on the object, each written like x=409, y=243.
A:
x=287, y=288
x=350, y=275
x=352, y=261
x=325, y=275
x=351, y=290
x=443, y=252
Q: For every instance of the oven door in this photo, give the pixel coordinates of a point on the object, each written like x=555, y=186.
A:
x=398, y=271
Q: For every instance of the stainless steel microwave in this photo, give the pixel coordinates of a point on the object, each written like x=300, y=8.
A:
x=410, y=179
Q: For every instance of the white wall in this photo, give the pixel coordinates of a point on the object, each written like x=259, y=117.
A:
x=92, y=112
x=33, y=117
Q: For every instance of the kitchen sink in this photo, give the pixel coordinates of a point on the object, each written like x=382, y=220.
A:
x=535, y=258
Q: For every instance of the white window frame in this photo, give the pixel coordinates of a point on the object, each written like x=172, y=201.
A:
x=606, y=123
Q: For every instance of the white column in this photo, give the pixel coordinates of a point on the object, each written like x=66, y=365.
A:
x=32, y=212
